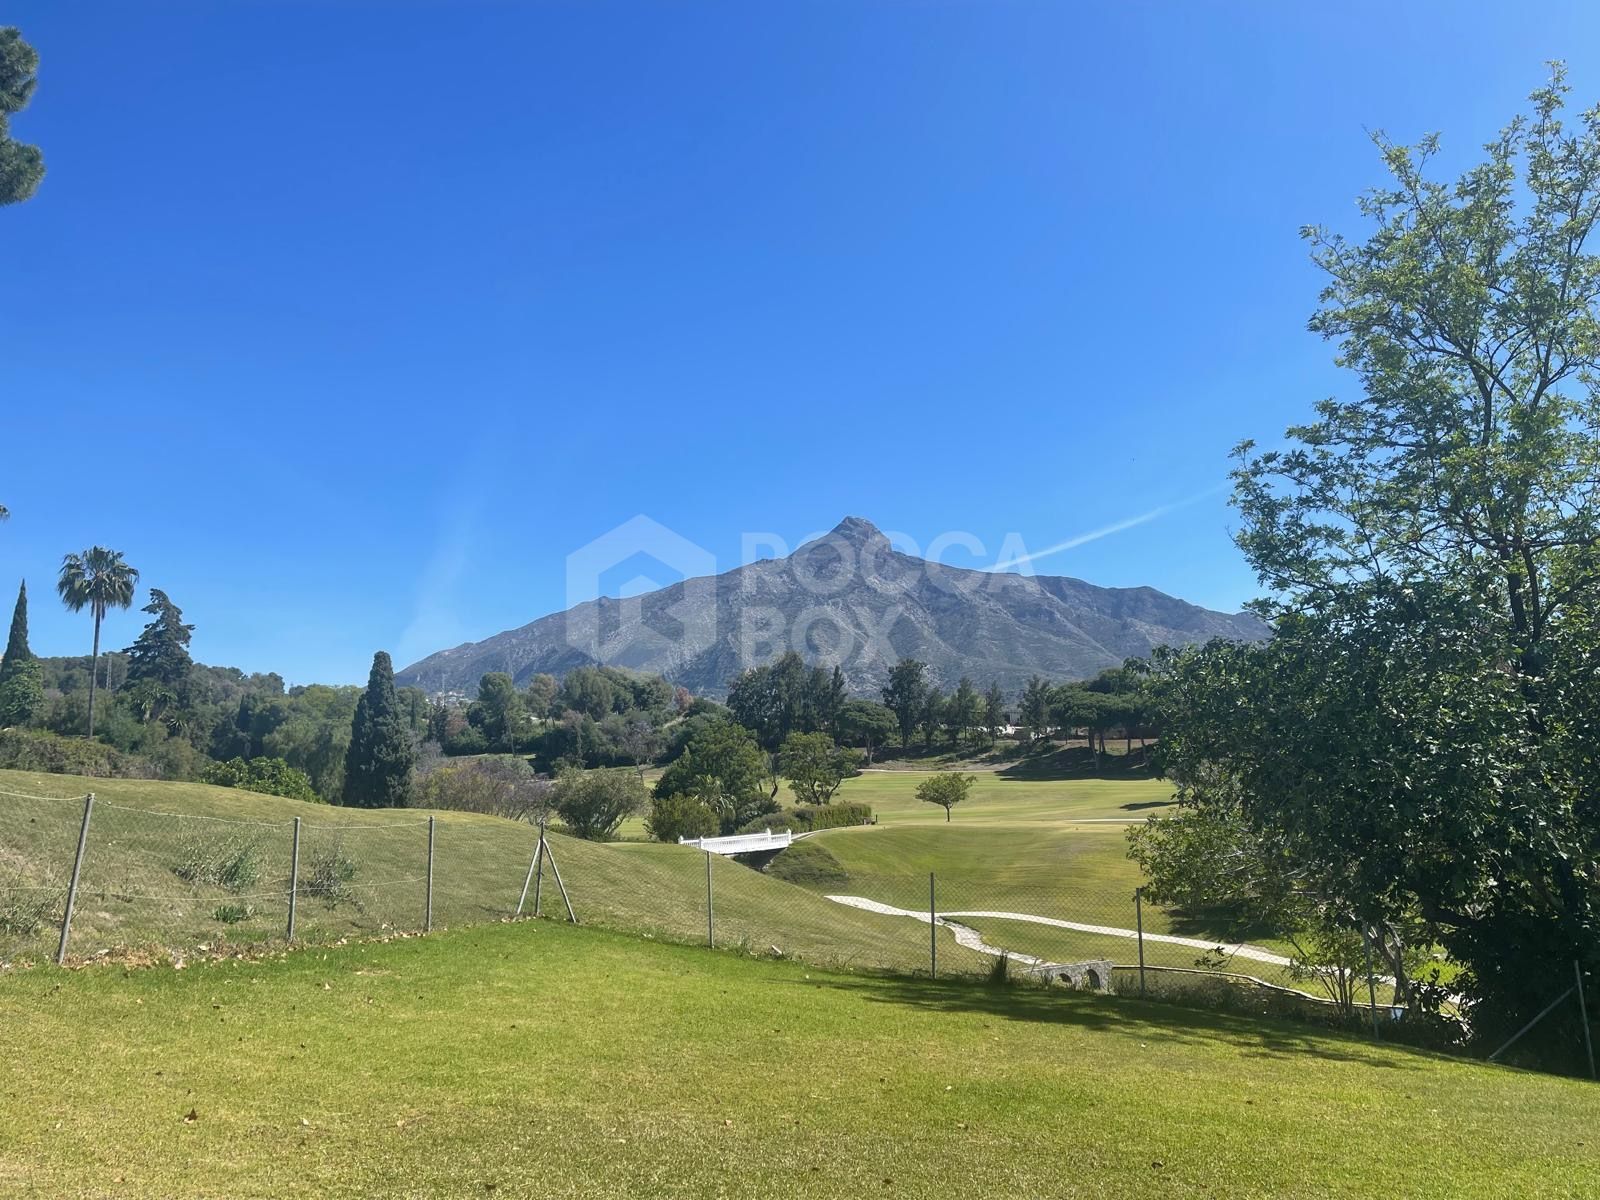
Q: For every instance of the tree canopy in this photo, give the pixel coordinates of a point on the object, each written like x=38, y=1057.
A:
x=21, y=680
x=21, y=165
x=1418, y=739
x=377, y=770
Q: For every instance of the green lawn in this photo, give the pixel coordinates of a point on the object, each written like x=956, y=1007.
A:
x=1054, y=848
x=537, y=1059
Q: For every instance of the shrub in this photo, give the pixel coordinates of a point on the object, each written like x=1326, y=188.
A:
x=232, y=914
x=593, y=803
x=499, y=786
x=326, y=875
x=52, y=754
x=680, y=816
x=24, y=906
x=272, y=776
x=468, y=739
x=808, y=819
x=232, y=862
x=1000, y=970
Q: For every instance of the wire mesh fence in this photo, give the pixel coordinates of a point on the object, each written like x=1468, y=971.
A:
x=156, y=881
x=152, y=878
x=147, y=878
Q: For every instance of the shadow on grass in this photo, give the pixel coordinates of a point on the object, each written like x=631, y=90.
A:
x=1079, y=762
x=1154, y=1022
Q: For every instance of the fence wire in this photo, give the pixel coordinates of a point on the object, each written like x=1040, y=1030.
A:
x=156, y=880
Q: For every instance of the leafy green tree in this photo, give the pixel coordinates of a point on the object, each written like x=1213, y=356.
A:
x=377, y=765
x=775, y=700
x=825, y=696
x=541, y=691
x=935, y=708
x=994, y=711
x=587, y=690
x=724, y=768
x=497, y=711
x=1072, y=706
x=905, y=694
x=946, y=789
x=21, y=679
x=311, y=731
x=866, y=724
x=1034, y=711
x=965, y=710
x=97, y=579
x=1418, y=737
x=681, y=815
x=593, y=804
x=815, y=767
x=159, y=663
x=21, y=165
x=270, y=775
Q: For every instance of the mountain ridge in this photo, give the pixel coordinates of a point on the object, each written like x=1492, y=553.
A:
x=846, y=597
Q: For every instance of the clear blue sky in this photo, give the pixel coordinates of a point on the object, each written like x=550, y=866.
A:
x=348, y=322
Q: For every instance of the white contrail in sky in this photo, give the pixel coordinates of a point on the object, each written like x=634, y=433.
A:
x=1094, y=535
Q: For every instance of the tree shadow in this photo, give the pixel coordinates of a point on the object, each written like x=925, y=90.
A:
x=1079, y=762
x=1146, y=1020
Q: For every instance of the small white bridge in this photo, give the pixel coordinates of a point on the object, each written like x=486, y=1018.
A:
x=741, y=843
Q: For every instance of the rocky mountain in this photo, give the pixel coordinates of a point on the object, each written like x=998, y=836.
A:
x=851, y=599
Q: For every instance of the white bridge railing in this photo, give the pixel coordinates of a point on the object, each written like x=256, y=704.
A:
x=741, y=843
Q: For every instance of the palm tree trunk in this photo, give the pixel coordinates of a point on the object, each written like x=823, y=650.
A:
x=94, y=670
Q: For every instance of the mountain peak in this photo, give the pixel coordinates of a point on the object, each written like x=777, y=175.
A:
x=856, y=529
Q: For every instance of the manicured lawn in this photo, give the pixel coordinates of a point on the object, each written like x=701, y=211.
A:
x=540, y=1060
x=996, y=800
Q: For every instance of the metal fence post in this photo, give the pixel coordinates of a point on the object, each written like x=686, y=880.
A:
x=1372, y=986
x=1138, y=921
x=527, y=880
x=427, y=920
x=1583, y=1015
x=711, y=940
x=294, y=876
x=933, y=932
x=1543, y=1013
x=538, y=871
x=555, y=869
x=72, y=888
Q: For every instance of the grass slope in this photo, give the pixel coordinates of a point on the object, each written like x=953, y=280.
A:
x=1054, y=848
x=540, y=1060
x=130, y=895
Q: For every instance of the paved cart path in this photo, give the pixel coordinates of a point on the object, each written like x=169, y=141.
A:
x=968, y=937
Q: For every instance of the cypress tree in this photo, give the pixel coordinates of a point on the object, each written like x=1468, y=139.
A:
x=377, y=766
x=21, y=679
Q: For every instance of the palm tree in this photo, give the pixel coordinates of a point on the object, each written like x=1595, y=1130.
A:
x=97, y=579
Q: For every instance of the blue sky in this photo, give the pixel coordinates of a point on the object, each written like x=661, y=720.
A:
x=349, y=322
